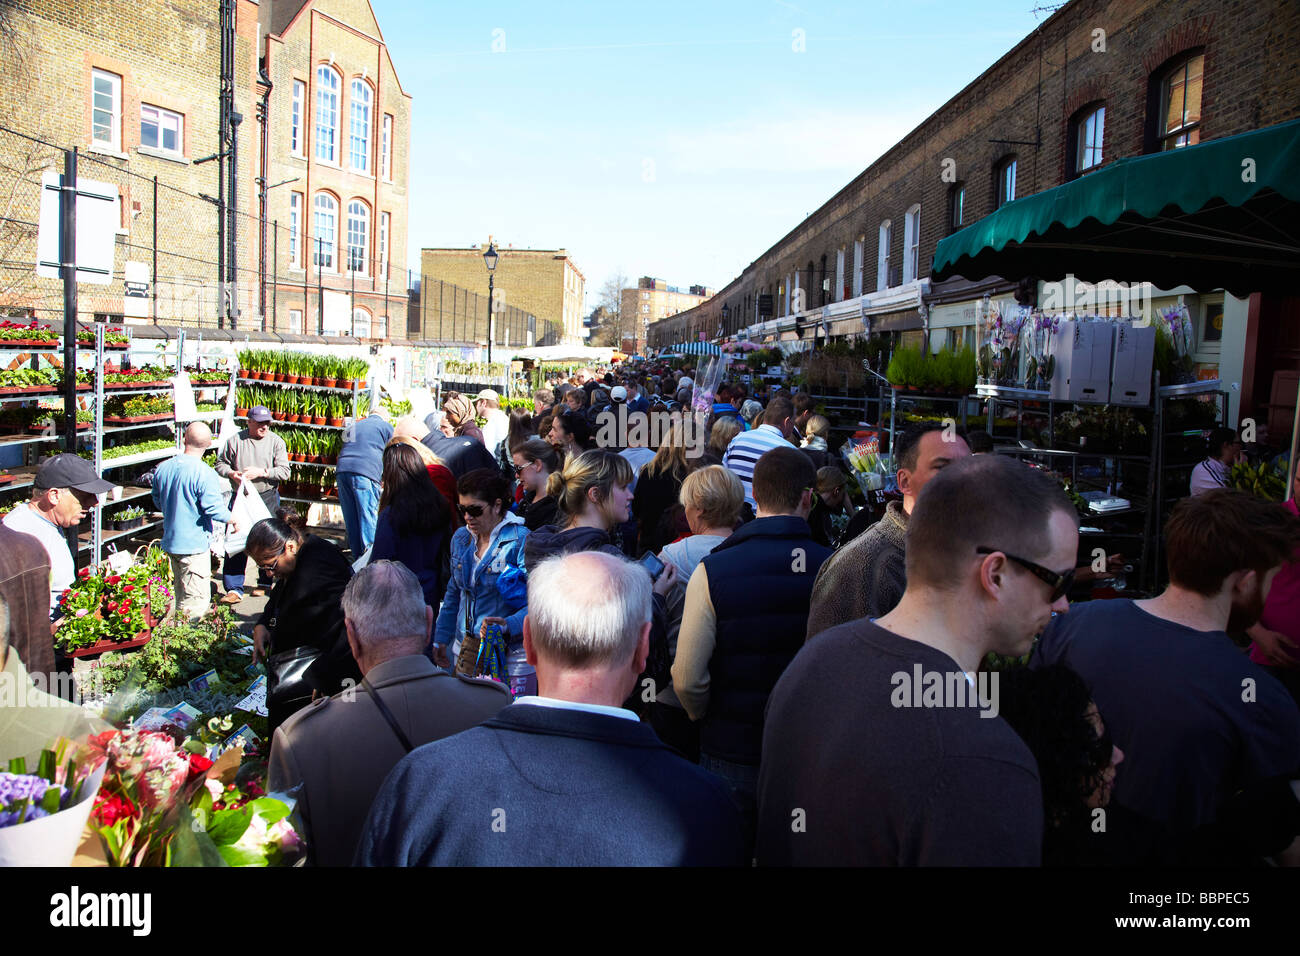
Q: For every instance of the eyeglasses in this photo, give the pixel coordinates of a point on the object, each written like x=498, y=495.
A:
x=471, y=511
x=1060, y=583
x=520, y=468
x=273, y=564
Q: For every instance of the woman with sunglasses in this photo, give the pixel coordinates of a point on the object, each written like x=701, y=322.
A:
x=487, y=591
x=300, y=633
x=414, y=522
x=534, y=460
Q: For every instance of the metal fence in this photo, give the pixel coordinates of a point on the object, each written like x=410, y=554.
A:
x=169, y=262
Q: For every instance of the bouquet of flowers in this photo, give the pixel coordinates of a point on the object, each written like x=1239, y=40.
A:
x=42, y=814
x=1175, y=343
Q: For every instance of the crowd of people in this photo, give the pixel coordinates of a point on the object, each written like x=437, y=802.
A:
x=546, y=647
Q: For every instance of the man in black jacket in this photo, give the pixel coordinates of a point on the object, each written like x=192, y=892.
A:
x=566, y=778
x=743, y=620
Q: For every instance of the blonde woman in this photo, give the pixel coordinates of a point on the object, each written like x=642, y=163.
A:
x=657, y=489
x=816, y=431
x=724, y=429
x=712, y=498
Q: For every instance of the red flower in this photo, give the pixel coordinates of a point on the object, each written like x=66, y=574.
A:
x=199, y=764
x=111, y=605
x=108, y=810
x=127, y=588
x=84, y=572
x=113, y=579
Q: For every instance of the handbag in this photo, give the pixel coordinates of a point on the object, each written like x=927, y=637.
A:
x=286, y=689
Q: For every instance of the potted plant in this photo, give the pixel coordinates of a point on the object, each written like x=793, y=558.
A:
x=128, y=518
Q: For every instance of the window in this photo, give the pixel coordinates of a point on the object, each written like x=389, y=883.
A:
x=295, y=226
x=295, y=322
x=882, y=255
x=326, y=212
x=1006, y=182
x=358, y=235
x=327, y=114
x=839, y=276
x=383, y=243
x=360, y=324
x=360, y=148
x=106, y=110
x=295, y=127
x=911, y=244
x=1085, y=143
x=386, y=162
x=956, y=205
x=859, y=247
x=161, y=129
x=1180, y=99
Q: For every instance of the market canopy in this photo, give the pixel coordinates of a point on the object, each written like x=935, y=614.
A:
x=1221, y=214
x=566, y=353
x=696, y=348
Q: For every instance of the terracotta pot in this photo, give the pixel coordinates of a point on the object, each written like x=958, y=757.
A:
x=280, y=376
x=318, y=419
x=329, y=382
x=293, y=418
x=241, y=412
x=277, y=416
x=345, y=383
x=291, y=379
x=334, y=422
x=243, y=373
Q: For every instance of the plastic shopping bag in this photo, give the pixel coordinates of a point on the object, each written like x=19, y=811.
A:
x=247, y=509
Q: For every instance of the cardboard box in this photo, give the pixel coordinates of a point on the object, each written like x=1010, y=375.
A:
x=1132, y=358
x=1083, y=355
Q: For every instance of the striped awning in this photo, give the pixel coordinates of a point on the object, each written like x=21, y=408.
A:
x=696, y=348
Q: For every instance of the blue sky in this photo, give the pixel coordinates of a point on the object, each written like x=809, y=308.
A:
x=672, y=139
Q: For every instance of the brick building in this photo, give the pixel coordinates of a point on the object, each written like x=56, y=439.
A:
x=324, y=125
x=336, y=133
x=653, y=300
x=1096, y=82
x=545, y=283
x=134, y=87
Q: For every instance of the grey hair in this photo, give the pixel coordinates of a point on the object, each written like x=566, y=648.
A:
x=385, y=602
x=587, y=609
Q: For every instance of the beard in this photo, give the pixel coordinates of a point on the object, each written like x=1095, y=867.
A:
x=1246, y=613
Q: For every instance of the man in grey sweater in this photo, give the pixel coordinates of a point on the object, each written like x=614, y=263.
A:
x=867, y=577
x=260, y=457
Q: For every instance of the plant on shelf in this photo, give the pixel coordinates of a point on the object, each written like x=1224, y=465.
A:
x=395, y=409
x=113, y=337
x=130, y=517
x=54, y=419
x=14, y=333
x=905, y=369
x=136, y=407
x=30, y=380
x=1265, y=480
x=103, y=606
x=134, y=448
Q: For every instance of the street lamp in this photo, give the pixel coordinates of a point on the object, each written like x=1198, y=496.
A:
x=490, y=260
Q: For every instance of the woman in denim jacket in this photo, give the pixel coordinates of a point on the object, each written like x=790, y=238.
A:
x=487, y=583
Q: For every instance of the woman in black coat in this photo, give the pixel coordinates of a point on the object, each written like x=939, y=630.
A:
x=301, y=633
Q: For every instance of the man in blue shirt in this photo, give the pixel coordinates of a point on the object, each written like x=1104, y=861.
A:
x=360, y=468
x=188, y=493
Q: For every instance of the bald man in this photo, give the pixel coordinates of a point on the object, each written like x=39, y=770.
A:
x=188, y=493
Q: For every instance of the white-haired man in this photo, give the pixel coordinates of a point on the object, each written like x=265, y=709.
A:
x=341, y=748
x=567, y=777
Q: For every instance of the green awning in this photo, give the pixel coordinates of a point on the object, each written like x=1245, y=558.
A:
x=1221, y=214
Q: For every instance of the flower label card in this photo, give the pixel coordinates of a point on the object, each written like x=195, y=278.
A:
x=204, y=680
x=255, y=702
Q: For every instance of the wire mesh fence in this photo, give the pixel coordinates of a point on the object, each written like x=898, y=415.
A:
x=184, y=256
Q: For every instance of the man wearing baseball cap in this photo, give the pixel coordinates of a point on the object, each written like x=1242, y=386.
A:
x=487, y=404
x=66, y=488
x=257, y=456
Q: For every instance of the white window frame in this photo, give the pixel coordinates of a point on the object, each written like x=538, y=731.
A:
x=386, y=166
x=359, y=99
x=1007, y=182
x=297, y=141
x=358, y=212
x=884, y=239
x=912, y=244
x=329, y=93
x=385, y=223
x=114, y=142
x=160, y=119
x=366, y=317
x=1177, y=137
x=1084, y=146
x=839, y=275
x=295, y=322
x=325, y=255
x=295, y=229
x=859, y=254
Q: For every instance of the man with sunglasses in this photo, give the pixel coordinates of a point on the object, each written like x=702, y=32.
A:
x=855, y=774
x=1197, y=719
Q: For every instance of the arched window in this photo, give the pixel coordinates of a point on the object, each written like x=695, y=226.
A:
x=325, y=215
x=358, y=235
x=1179, y=120
x=359, y=151
x=1086, y=139
x=327, y=114
x=912, y=244
x=360, y=323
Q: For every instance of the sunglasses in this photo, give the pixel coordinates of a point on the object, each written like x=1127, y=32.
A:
x=470, y=511
x=1060, y=583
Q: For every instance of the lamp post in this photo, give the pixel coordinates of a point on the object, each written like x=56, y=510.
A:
x=490, y=260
